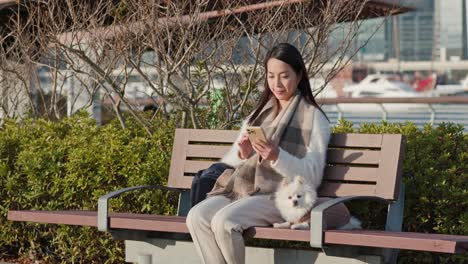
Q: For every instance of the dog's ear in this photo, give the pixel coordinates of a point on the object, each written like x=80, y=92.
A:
x=285, y=181
x=300, y=179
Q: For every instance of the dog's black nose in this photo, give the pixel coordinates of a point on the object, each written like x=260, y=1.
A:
x=295, y=202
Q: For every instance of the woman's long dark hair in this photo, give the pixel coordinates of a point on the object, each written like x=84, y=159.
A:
x=289, y=54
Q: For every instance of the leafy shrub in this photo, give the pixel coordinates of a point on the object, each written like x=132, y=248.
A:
x=68, y=165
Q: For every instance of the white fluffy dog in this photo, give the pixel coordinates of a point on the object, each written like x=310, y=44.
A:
x=294, y=200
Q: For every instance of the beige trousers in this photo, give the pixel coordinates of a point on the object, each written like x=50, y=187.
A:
x=216, y=225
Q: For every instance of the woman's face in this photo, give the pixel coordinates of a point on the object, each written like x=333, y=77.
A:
x=282, y=80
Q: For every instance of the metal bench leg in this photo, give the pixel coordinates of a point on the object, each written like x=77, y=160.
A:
x=394, y=223
x=184, y=203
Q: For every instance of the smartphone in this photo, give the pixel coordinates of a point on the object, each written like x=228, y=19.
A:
x=256, y=132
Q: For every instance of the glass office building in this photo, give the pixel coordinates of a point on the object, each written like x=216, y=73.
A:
x=372, y=32
x=451, y=29
x=465, y=29
x=411, y=36
x=437, y=30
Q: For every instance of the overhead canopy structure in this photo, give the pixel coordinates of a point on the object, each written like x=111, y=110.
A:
x=214, y=9
x=374, y=8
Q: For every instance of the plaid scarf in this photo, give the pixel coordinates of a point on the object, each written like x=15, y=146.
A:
x=290, y=129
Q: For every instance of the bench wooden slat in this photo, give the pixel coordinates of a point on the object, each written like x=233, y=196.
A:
x=369, y=238
x=337, y=189
x=345, y=156
x=83, y=218
x=211, y=135
x=161, y=225
x=341, y=156
x=401, y=240
x=206, y=151
x=80, y=218
x=330, y=189
x=184, y=182
x=341, y=140
x=193, y=166
x=166, y=218
x=348, y=173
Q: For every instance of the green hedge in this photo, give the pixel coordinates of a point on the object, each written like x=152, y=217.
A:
x=69, y=164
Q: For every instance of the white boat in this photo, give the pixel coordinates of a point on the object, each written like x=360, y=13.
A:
x=448, y=90
x=451, y=89
x=381, y=85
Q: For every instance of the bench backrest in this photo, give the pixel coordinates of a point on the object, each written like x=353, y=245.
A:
x=358, y=164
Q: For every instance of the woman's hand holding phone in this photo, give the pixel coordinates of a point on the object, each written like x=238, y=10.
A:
x=267, y=150
x=245, y=146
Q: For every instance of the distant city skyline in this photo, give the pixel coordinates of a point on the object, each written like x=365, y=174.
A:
x=435, y=31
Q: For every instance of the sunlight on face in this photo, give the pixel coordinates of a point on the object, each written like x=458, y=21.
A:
x=282, y=80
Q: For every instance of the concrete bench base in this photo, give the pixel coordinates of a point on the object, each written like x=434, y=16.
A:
x=155, y=251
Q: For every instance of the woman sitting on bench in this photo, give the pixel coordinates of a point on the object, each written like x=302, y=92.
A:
x=297, y=133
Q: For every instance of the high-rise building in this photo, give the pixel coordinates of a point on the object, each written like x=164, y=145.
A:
x=390, y=49
x=412, y=34
x=451, y=29
x=465, y=29
x=436, y=30
x=408, y=37
x=372, y=32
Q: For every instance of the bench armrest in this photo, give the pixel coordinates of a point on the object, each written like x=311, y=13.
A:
x=103, y=203
x=317, y=223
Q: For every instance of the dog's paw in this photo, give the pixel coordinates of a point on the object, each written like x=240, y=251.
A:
x=300, y=226
x=281, y=225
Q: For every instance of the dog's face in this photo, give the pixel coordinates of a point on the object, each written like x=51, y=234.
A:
x=297, y=194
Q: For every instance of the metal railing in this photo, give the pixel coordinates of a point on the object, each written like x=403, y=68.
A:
x=434, y=110
x=420, y=111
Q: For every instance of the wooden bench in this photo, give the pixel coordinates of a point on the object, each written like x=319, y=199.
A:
x=360, y=166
